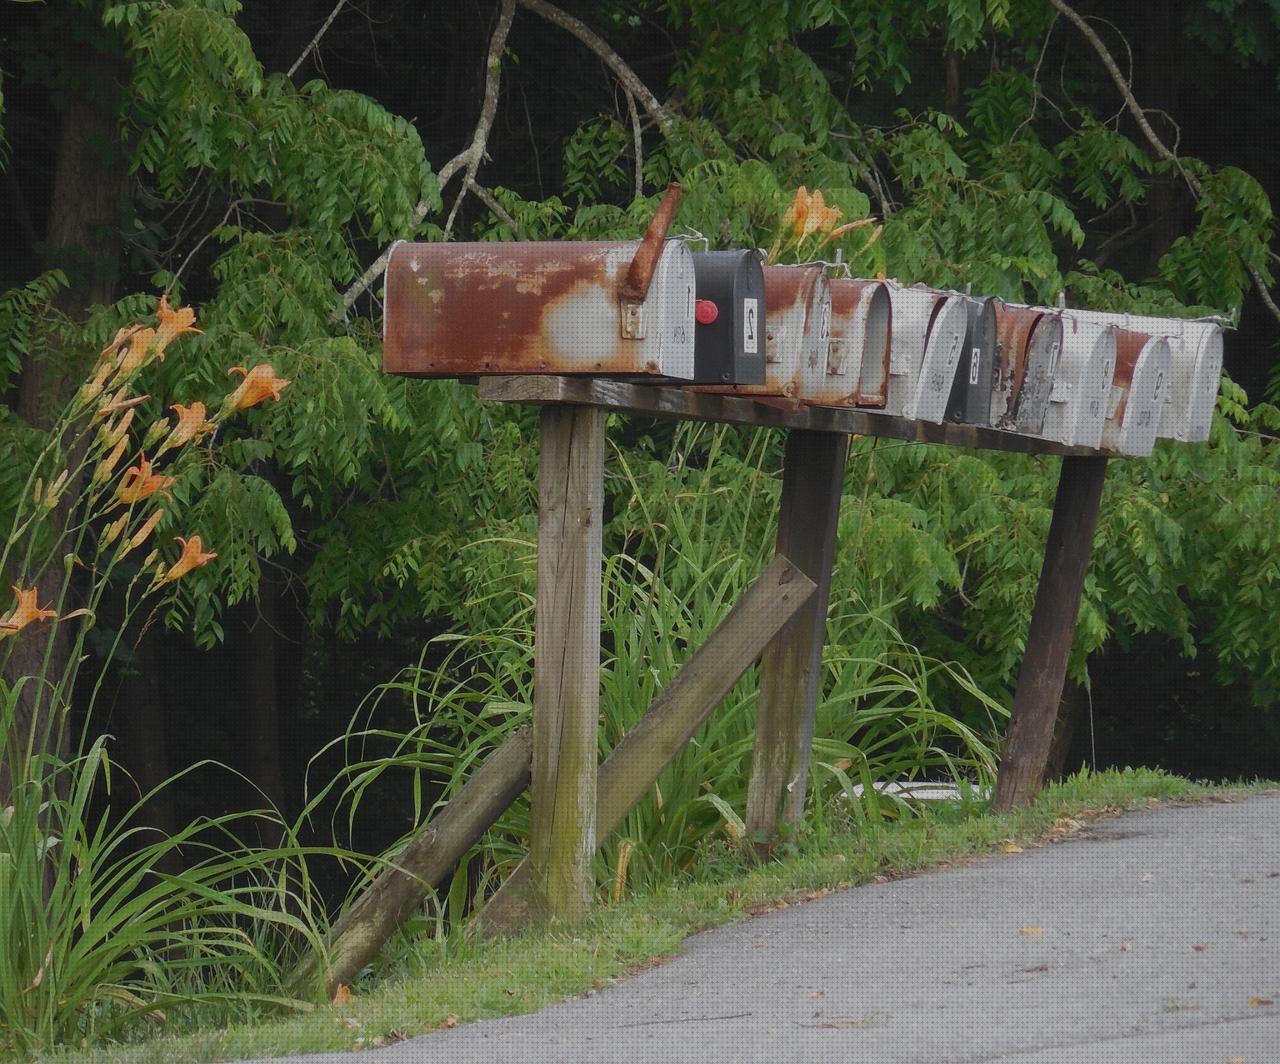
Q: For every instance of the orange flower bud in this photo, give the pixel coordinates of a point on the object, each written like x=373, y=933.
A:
x=136, y=354
x=148, y=526
x=108, y=465
x=193, y=556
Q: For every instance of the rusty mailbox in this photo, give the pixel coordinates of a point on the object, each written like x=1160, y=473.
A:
x=1138, y=390
x=1029, y=343
x=797, y=331
x=1082, y=385
x=970, y=401
x=928, y=332
x=855, y=369
x=1196, y=349
x=730, y=318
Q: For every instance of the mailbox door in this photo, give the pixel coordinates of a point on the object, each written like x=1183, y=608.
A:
x=970, y=401
x=1144, y=364
x=1082, y=386
x=947, y=327
x=873, y=377
x=912, y=313
x=1014, y=325
x=466, y=309
x=857, y=317
x=729, y=341
x=1031, y=396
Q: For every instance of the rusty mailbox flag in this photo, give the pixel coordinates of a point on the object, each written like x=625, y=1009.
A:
x=928, y=332
x=610, y=307
x=854, y=369
x=1082, y=385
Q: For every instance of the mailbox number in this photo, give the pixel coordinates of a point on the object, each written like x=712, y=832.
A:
x=750, y=327
x=975, y=364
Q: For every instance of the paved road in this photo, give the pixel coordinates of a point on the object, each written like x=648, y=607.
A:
x=1158, y=940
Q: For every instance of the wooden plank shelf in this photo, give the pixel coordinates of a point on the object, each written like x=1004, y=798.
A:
x=657, y=400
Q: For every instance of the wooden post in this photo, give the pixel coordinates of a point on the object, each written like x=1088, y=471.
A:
x=682, y=707
x=1053, y=626
x=813, y=471
x=430, y=856
x=566, y=686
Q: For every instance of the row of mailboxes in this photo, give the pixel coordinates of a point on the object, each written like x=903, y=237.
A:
x=725, y=321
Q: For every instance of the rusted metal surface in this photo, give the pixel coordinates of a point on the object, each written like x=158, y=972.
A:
x=1013, y=330
x=1143, y=367
x=635, y=285
x=1082, y=385
x=1031, y=392
x=797, y=329
x=856, y=368
x=466, y=309
x=1196, y=350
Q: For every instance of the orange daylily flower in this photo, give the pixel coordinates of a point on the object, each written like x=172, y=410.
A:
x=191, y=424
x=139, y=482
x=24, y=612
x=193, y=556
x=259, y=383
x=173, y=323
x=140, y=345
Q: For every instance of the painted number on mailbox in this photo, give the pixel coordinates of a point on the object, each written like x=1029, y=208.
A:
x=750, y=326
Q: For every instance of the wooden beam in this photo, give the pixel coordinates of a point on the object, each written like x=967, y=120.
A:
x=566, y=685
x=431, y=855
x=654, y=400
x=675, y=716
x=1053, y=626
x=791, y=671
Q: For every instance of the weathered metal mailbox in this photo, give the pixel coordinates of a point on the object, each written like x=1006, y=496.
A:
x=1082, y=385
x=1143, y=367
x=855, y=369
x=928, y=333
x=730, y=316
x=1029, y=343
x=472, y=309
x=970, y=401
x=797, y=331
x=1196, y=350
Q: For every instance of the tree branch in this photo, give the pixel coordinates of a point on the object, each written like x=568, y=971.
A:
x=630, y=81
x=1158, y=146
x=639, y=144
x=315, y=40
x=491, y=201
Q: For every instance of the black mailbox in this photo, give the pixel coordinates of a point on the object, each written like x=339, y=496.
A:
x=729, y=330
x=970, y=401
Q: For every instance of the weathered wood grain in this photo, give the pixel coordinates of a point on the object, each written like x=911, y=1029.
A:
x=666, y=401
x=675, y=716
x=566, y=686
x=1053, y=625
x=791, y=669
x=430, y=856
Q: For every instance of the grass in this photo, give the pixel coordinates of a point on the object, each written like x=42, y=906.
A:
x=439, y=984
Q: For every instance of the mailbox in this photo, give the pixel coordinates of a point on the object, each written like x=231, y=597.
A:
x=729, y=345
x=1029, y=343
x=970, y=401
x=796, y=333
x=1196, y=349
x=855, y=368
x=473, y=309
x=1082, y=385
x=928, y=332
x=1139, y=388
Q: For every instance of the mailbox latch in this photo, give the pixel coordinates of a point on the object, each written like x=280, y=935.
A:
x=632, y=318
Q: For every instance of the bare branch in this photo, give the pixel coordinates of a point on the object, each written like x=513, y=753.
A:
x=639, y=144
x=315, y=40
x=1157, y=145
x=491, y=201
x=630, y=81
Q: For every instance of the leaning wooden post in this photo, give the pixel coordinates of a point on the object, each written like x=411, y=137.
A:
x=813, y=471
x=1053, y=626
x=566, y=686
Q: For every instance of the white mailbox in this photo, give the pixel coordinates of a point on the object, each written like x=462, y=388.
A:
x=1144, y=365
x=856, y=365
x=928, y=333
x=1082, y=386
x=1196, y=349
